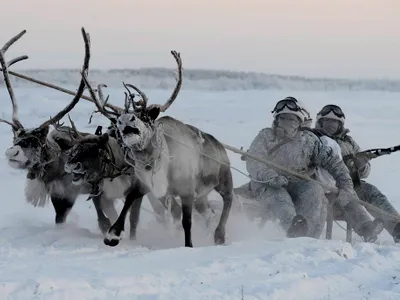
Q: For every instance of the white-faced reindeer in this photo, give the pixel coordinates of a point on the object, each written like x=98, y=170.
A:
x=41, y=153
x=171, y=158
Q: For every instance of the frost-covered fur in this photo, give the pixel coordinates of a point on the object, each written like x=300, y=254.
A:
x=167, y=158
x=366, y=191
x=38, y=152
x=98, y=161
x=42, y=154
x=36, y=192
x=302, y=154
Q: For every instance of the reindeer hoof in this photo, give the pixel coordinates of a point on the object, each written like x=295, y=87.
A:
x=132, y=236
x=219, y=237
x=111, y=242
x=112, y=239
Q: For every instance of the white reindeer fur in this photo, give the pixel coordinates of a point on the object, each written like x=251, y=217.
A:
x=156, y=178
x=36, y=192
x=116, y=188
x=185, y=159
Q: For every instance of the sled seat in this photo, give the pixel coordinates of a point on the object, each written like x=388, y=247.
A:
x=335, y=213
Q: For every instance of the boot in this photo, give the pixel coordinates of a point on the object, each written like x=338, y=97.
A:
x=396, y=233
x=298, y=228
x=360, y=221
x=370, y=230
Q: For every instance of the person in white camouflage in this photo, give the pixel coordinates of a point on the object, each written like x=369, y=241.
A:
x=330, y=121
x=354, y=212
x=300, y=206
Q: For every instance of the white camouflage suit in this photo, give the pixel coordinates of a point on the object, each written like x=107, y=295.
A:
x=366, y=191
x=285, y=197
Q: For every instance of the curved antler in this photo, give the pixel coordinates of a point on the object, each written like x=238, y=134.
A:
x=81, y=88
x=100, y=102
x=79, y=136
x=143, y=102
x=15, y=124
x=178, y=86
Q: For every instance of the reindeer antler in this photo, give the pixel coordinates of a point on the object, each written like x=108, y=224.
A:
x=178, y=86
x=15, y=124
x=163, y=108
x=99, y=101
x=81, y=88
x=142, y=102
x=79, y=136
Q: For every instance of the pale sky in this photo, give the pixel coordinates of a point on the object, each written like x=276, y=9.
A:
x=330, y=38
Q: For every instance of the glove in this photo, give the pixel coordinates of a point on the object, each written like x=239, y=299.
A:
x=360, y=161
x=278, y=181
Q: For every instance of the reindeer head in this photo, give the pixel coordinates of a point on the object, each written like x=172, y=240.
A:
x=135, y=126
x=29, y=143
x=86, y=160
x=27, y=148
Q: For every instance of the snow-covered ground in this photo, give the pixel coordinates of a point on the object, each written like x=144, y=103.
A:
x=39, y=261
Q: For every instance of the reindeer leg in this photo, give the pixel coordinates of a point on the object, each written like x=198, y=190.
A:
x=203, y=207
x=114, y=233
x=102, y=220
x=176, y=210
x=187, y=206
x=225, y=189
x=135, y=217
x=158, y=208
x=109, y=209
x=62, y=206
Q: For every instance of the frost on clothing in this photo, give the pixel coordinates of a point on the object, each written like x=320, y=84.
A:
x=302, y=154
x=355, y=213
x=323, y=175
x=348, y=146
x=366, y=191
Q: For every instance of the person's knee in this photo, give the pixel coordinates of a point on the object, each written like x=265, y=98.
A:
x=310, y=191
x=369, y=189
x=273, y=193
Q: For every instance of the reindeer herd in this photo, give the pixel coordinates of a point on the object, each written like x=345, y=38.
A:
x=140, y=154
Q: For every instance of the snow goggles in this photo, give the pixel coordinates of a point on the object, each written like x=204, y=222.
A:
x=289, y=102
x=332, y=108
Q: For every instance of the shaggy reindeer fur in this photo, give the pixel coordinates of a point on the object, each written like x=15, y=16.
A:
x=98, y=161
x=41, y=153
x=168, y=158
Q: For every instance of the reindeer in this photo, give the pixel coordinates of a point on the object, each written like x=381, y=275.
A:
x=170, y=158
x=40, y=152
x=98, y=161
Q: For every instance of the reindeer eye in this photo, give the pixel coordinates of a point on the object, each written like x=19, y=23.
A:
x=23, y=144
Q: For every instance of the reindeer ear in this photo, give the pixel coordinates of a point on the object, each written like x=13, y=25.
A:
x=103, y=140
x=153, y=111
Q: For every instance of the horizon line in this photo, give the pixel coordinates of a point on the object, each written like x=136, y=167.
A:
x=216, y=70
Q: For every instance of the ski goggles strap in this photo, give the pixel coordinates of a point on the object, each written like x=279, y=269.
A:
x=289, y=102
x=332, y=108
